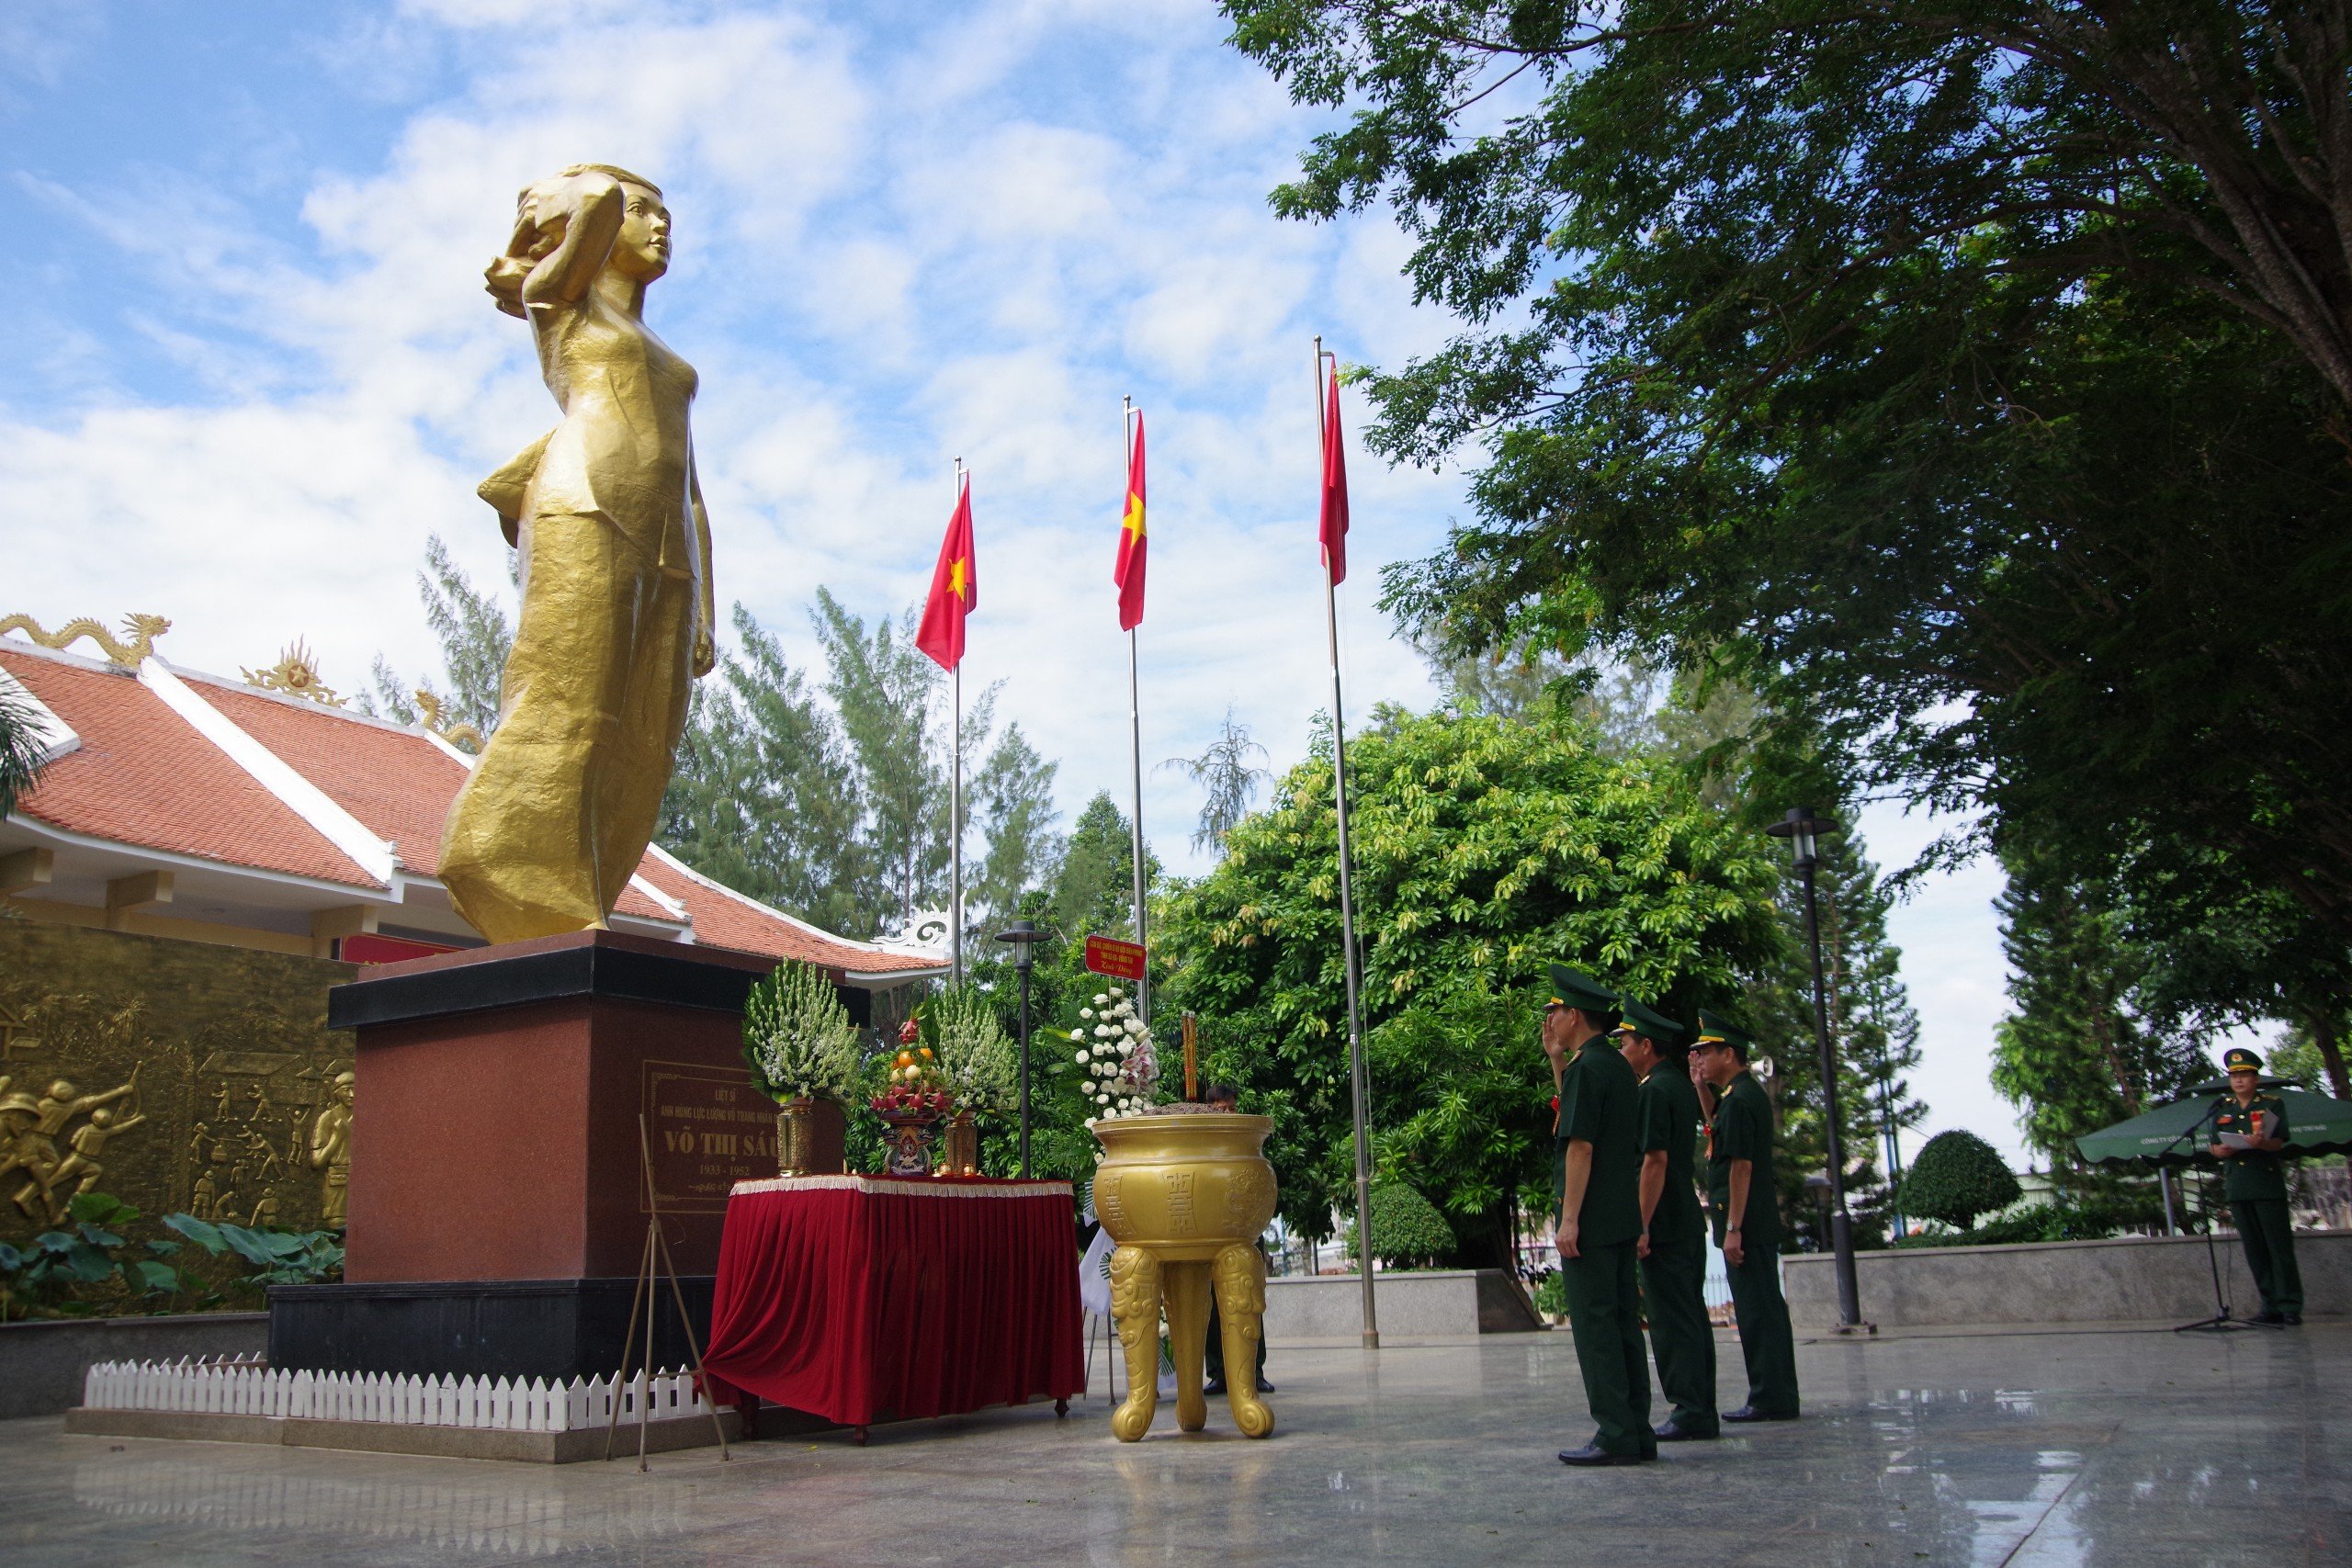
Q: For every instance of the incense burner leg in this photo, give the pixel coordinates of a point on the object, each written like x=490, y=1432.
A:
x=1240, y=1275
x=1135, y=1306
x=1188, y=1338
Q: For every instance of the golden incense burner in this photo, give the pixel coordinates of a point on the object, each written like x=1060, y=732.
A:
x=1185, y=1197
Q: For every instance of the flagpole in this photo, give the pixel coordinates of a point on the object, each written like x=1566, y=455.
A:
x=956, y=808
x=1135, y=731
x=1357, y=1088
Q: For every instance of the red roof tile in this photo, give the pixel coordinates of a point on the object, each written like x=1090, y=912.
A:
x=724, y=918
x=142, y=776
x=397, y=783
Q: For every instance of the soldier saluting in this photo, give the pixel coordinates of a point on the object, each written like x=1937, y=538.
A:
x=1747, y=1218
x=2249, y=1129
x=1674, y=1231
x=1597, y=1160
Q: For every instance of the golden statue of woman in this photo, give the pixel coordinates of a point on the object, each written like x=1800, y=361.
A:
x=616, y=598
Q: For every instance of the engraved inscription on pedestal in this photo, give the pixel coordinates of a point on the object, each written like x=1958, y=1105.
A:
x=710, y=1129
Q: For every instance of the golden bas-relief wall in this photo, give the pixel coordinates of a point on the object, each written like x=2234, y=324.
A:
x=178, y=1077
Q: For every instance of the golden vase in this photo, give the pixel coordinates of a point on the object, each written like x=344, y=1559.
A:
x=963, y=1147
x=1185, y=1197
x=810, y=1137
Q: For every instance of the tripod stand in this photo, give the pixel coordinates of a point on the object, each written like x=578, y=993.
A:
x=653, y=1264
x=2222, y=1321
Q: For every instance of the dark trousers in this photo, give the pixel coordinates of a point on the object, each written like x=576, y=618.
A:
x=1605, y=1315
x=1674, y=1298
x=2269, y=1237
x=1766, y=1343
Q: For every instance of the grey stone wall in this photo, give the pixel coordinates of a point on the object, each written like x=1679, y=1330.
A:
x=2127, y=1279
x=1328, y=1309
x=43, y=1363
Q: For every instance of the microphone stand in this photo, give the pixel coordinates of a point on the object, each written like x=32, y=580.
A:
x=2222, y=1322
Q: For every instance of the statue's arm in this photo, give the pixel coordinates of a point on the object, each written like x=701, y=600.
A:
x=705, y=652
x=586, y=216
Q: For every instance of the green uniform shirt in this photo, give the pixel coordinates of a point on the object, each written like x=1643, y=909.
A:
x=1742, y=1129
x=2254, y=1174
x=1670, y=1112
x=1598, y=1095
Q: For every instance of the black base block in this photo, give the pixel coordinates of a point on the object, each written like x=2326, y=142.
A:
x=510, y=1328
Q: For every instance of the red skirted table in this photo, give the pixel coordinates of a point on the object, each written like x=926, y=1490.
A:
x=851, y=1296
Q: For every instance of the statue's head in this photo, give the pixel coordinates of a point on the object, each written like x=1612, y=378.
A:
x=544, y=209
x=344, y=1083
x=63, y=1089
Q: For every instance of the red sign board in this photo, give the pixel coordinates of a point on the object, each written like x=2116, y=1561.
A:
x=1119, y=959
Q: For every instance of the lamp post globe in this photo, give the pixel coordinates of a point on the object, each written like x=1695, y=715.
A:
x=1024, y=936
x=1804, y=828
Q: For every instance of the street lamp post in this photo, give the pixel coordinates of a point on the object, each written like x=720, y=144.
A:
x=1802, y=827
x=1024, y=936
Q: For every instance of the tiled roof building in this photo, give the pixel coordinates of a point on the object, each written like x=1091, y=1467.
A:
x=180, y=804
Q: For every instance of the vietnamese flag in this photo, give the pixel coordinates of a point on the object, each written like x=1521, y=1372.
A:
x=954, y=588
x=1129, y=573
x=1334, y=530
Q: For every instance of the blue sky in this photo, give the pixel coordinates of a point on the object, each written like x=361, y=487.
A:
x=253, y=367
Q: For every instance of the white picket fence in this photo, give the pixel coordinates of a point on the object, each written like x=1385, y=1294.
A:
x=246, y=1387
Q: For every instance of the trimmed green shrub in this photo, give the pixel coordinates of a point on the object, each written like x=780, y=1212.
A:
x=1407, y=1232
x=1956, y=1177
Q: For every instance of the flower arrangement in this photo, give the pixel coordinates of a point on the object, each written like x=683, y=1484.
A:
x=982, y=1068
x=1115, y=1052
x=913, y=1083
x=797, y=1037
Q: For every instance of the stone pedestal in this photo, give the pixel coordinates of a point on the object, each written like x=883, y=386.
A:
x=497, y=1205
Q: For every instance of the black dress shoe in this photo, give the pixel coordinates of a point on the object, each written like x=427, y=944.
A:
x=1213, y=1387
x=2291, y=1319
x=1593, y=1453
x=1265, y=1387
x=2267, y=1317
x=1749, y=1412
x=1675, y=1432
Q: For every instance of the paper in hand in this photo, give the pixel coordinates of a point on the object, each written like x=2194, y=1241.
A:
x=2235, y=1141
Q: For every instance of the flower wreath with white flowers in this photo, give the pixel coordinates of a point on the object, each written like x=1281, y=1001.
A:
x=1115, y=1052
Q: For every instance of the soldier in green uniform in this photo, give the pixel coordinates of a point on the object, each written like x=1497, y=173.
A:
x=1674, y=1233
x=1598, y=1161
x=2249, y=1129
x=1747, y=1218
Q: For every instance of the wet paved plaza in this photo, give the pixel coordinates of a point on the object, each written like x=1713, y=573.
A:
x=2133, y=1448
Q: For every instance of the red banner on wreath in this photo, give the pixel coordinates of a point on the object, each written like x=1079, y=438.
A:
x=1119, y=959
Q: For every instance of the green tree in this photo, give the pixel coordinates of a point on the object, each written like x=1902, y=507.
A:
x=22, y=753
x=2075, y=1053
x=1485, y=847
x=1228, y=778
x=885, y=691
x=1957, y=1176
x=1013, y=806
x=1927, y=363
x=1094, y=889
x=2222, y=953
x=764, y=795
x=832, y=804
x=476, y=636
x=1873, y=1038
